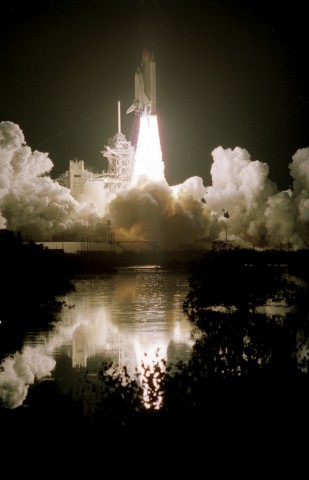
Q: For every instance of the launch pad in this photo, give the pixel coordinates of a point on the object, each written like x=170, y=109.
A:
x=119, y=151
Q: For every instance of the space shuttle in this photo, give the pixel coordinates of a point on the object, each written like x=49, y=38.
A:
x=145, y=86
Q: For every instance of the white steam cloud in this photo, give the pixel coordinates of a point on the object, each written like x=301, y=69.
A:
x=242, y=204
x=20, y=371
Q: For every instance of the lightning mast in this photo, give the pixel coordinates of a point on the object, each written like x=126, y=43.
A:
x=120, y=155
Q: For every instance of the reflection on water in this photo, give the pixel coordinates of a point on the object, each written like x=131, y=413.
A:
x=133, y=319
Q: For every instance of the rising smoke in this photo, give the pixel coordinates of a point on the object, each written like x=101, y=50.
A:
x=242, y=204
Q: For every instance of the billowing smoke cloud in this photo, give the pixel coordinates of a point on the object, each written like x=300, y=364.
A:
x=20, y=371
x=242, y=205
x=257, y=212
x=170, y=216
x=30, y=201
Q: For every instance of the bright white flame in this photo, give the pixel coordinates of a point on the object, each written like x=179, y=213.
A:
x=148, y=157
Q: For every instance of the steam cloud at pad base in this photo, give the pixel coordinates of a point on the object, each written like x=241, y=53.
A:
x=242, y=204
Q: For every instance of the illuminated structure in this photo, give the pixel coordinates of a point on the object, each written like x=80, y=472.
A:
x=127, y=161
x=120, y=155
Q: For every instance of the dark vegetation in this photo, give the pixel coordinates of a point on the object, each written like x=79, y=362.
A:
x=247, y=367
x=248, y=374
x=31, y=277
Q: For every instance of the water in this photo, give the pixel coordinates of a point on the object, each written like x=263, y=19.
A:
x=133, y=319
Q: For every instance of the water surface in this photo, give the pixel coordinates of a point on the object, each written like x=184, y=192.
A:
x=133, y=319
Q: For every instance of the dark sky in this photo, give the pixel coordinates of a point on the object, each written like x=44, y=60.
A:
x=229, y=73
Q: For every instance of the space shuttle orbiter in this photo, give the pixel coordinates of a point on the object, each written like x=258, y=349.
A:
x=145, y=86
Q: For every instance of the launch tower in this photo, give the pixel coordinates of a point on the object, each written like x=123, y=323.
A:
x=120, y=155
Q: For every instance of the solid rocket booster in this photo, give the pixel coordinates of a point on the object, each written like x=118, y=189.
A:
x=145, y=86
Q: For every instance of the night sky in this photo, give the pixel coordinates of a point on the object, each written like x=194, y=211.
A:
x=229, y=73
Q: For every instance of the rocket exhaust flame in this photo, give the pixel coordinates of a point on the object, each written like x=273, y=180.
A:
x=148, y=156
